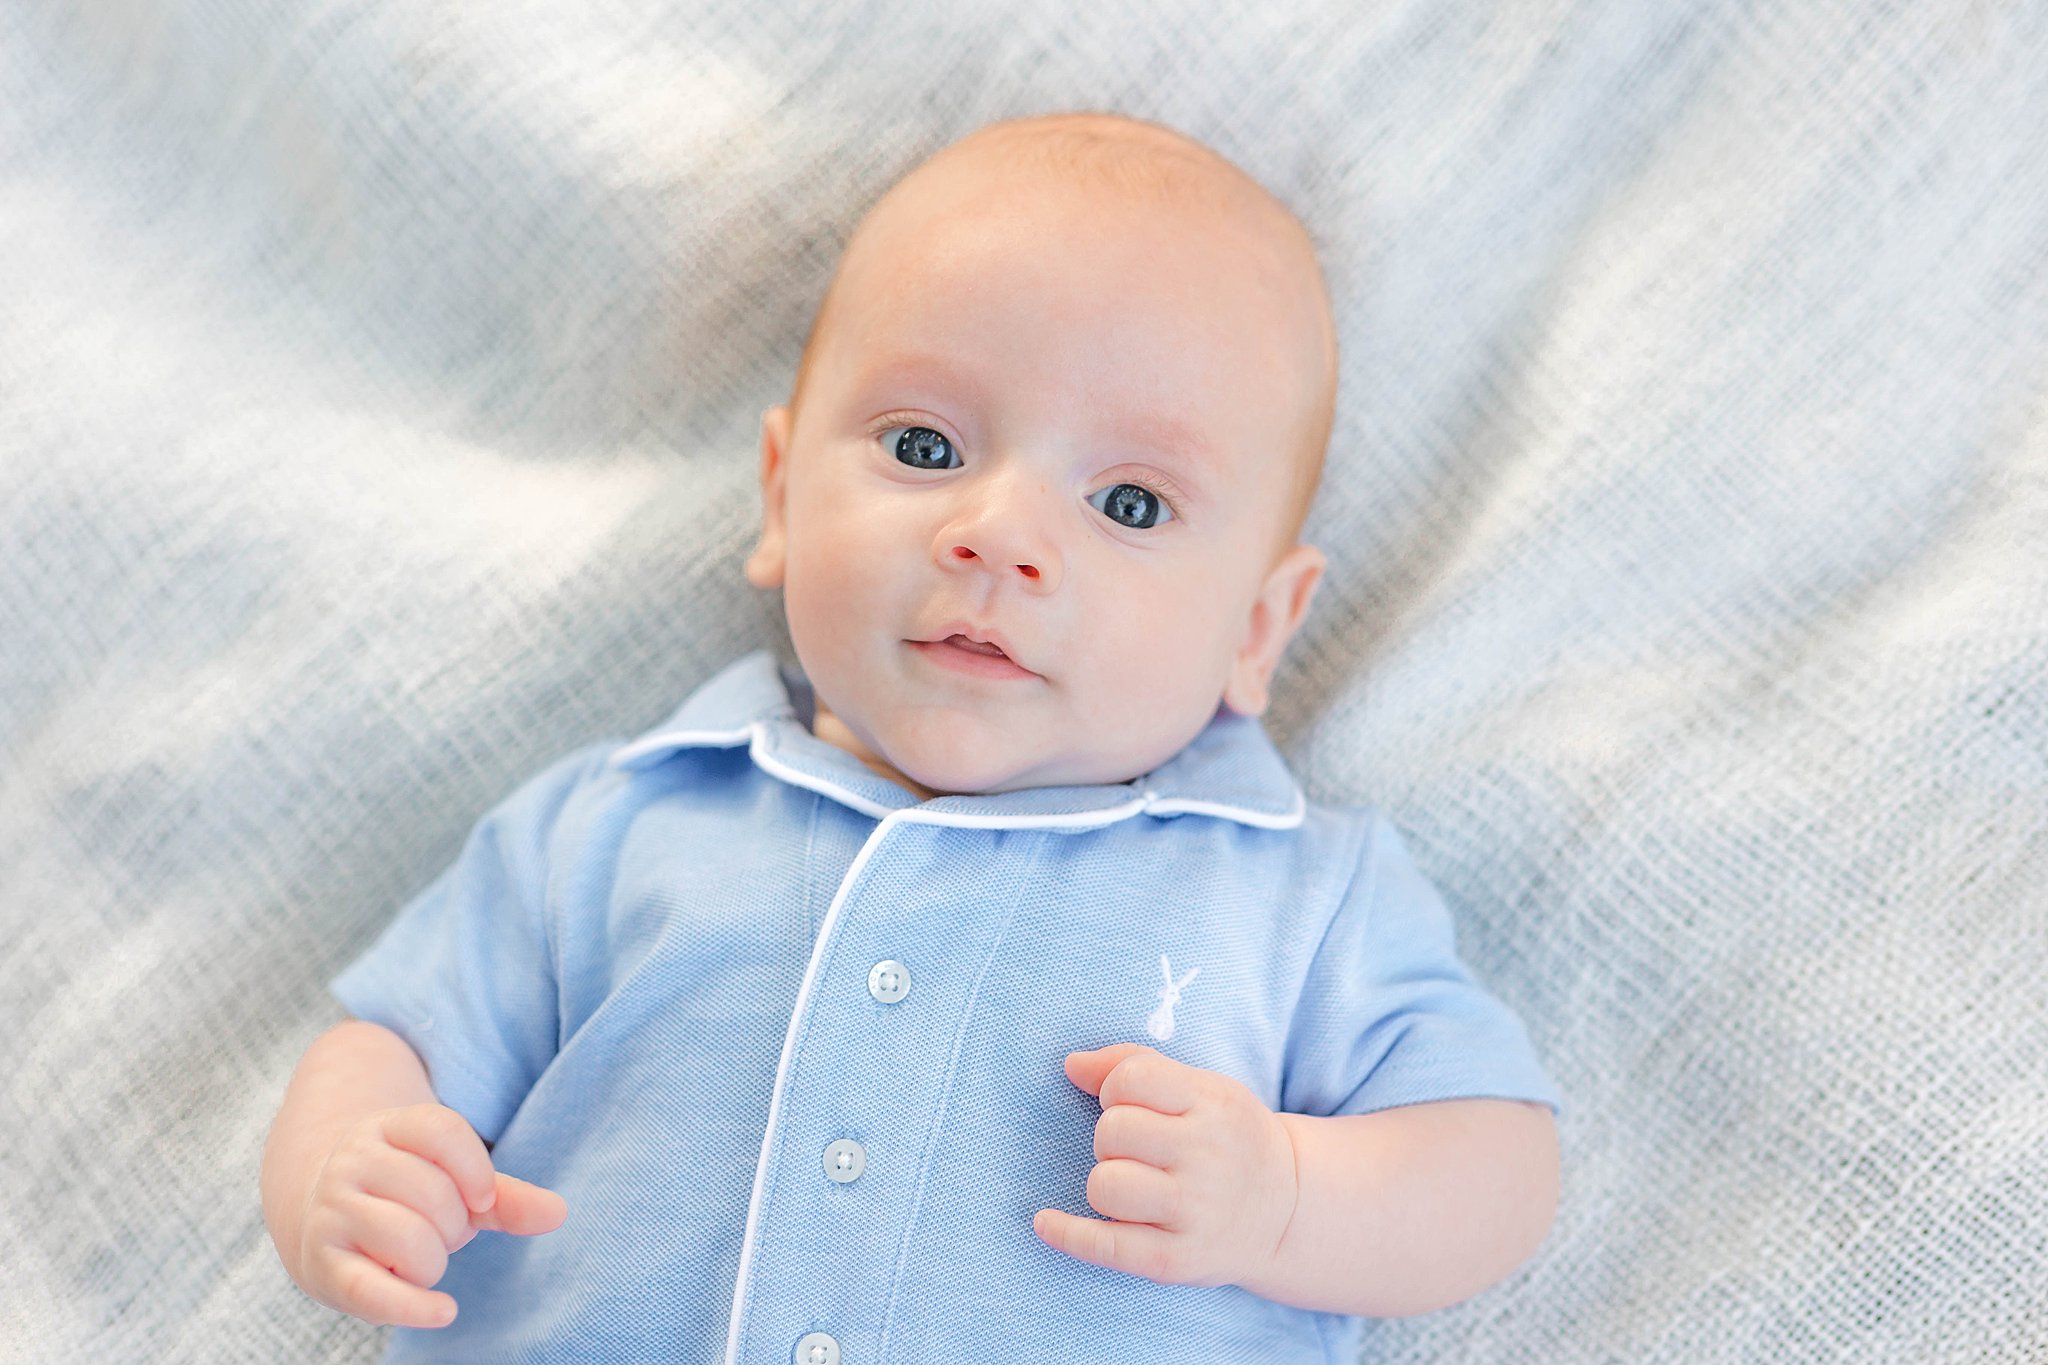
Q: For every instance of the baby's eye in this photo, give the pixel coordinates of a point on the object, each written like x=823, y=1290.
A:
x=920, y=447
x=1132, y=505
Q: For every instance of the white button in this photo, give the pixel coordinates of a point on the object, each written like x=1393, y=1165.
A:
x=817, y=1348
x=889, y=981
x=845, y=1160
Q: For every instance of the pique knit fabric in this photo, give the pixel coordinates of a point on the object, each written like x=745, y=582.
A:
x=790, y=1041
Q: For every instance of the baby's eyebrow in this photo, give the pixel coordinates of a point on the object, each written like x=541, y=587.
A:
x=922, y=370
x=1169, y=437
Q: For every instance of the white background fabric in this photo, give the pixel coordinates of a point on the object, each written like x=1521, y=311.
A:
x=379, y=387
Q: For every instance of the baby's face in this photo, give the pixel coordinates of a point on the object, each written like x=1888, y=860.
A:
x=1060, y=421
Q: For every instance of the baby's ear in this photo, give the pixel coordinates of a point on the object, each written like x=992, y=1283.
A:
x=1281, y=604
x=765, y=564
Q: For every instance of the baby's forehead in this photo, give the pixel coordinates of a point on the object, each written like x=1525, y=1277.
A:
x=1119, y=165
x=1164, y=205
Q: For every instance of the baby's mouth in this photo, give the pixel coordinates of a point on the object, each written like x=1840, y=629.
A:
x=989, y=659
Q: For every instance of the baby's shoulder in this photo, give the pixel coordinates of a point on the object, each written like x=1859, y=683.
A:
x=1335, y=840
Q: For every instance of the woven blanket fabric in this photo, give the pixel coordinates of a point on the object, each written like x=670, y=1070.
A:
x=379, y=389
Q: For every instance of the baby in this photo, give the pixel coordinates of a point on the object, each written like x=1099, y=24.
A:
x=820, y=1022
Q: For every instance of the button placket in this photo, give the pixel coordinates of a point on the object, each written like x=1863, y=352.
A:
x=845, y=1159
x=851, y=1065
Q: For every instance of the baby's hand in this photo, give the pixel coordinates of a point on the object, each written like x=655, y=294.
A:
x=1198, y=1169
x=401, y=1190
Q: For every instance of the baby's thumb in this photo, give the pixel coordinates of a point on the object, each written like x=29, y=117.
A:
x=521, y=1208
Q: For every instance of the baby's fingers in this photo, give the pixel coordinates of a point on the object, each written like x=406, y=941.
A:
x=399, y=1237
x=420, y=1185
x=521, y=1207
x=373, y=1293
x=445, y=1138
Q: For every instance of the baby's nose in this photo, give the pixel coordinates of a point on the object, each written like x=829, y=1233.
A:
x=1031, y=571
x=1036, y=570
x=1010, y=529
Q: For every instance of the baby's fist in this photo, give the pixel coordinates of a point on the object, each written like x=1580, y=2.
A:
x=1194, y=1174
x=402, y=1190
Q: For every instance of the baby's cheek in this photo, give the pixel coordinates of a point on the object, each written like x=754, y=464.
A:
x=1170, y=667
x=830, y=585
x=1142, y=714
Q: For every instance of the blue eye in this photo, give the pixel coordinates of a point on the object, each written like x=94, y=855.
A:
x=1132, y=505
x=920, y=448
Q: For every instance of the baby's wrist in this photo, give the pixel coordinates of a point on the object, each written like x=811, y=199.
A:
x=1265, y=1275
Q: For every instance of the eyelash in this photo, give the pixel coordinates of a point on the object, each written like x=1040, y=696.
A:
x=1159, y=486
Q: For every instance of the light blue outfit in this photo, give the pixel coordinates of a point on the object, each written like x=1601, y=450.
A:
x=790, y=1042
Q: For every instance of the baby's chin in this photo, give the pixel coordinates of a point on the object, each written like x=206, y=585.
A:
x=954, y=773
x=969, y=760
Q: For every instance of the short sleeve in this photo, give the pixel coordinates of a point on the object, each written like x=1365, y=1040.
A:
x=1388, y=1015
x=465, y=972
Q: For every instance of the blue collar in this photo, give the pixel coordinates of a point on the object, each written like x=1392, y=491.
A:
x=1230, y=769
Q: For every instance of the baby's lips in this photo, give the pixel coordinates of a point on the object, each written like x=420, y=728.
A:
x=978, y=639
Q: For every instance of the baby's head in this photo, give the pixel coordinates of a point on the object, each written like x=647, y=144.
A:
x=1068, y=394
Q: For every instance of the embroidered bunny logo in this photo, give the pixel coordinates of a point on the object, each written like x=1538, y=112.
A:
x=1159, y=1023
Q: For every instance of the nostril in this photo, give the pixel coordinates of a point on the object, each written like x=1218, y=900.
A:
x=1029, y=571
x=962, y=552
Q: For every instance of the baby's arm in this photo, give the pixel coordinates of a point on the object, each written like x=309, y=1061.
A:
x=1411, y=1209
x=369, y=1182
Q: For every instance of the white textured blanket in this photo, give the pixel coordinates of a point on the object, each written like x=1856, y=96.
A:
x=379, y=384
